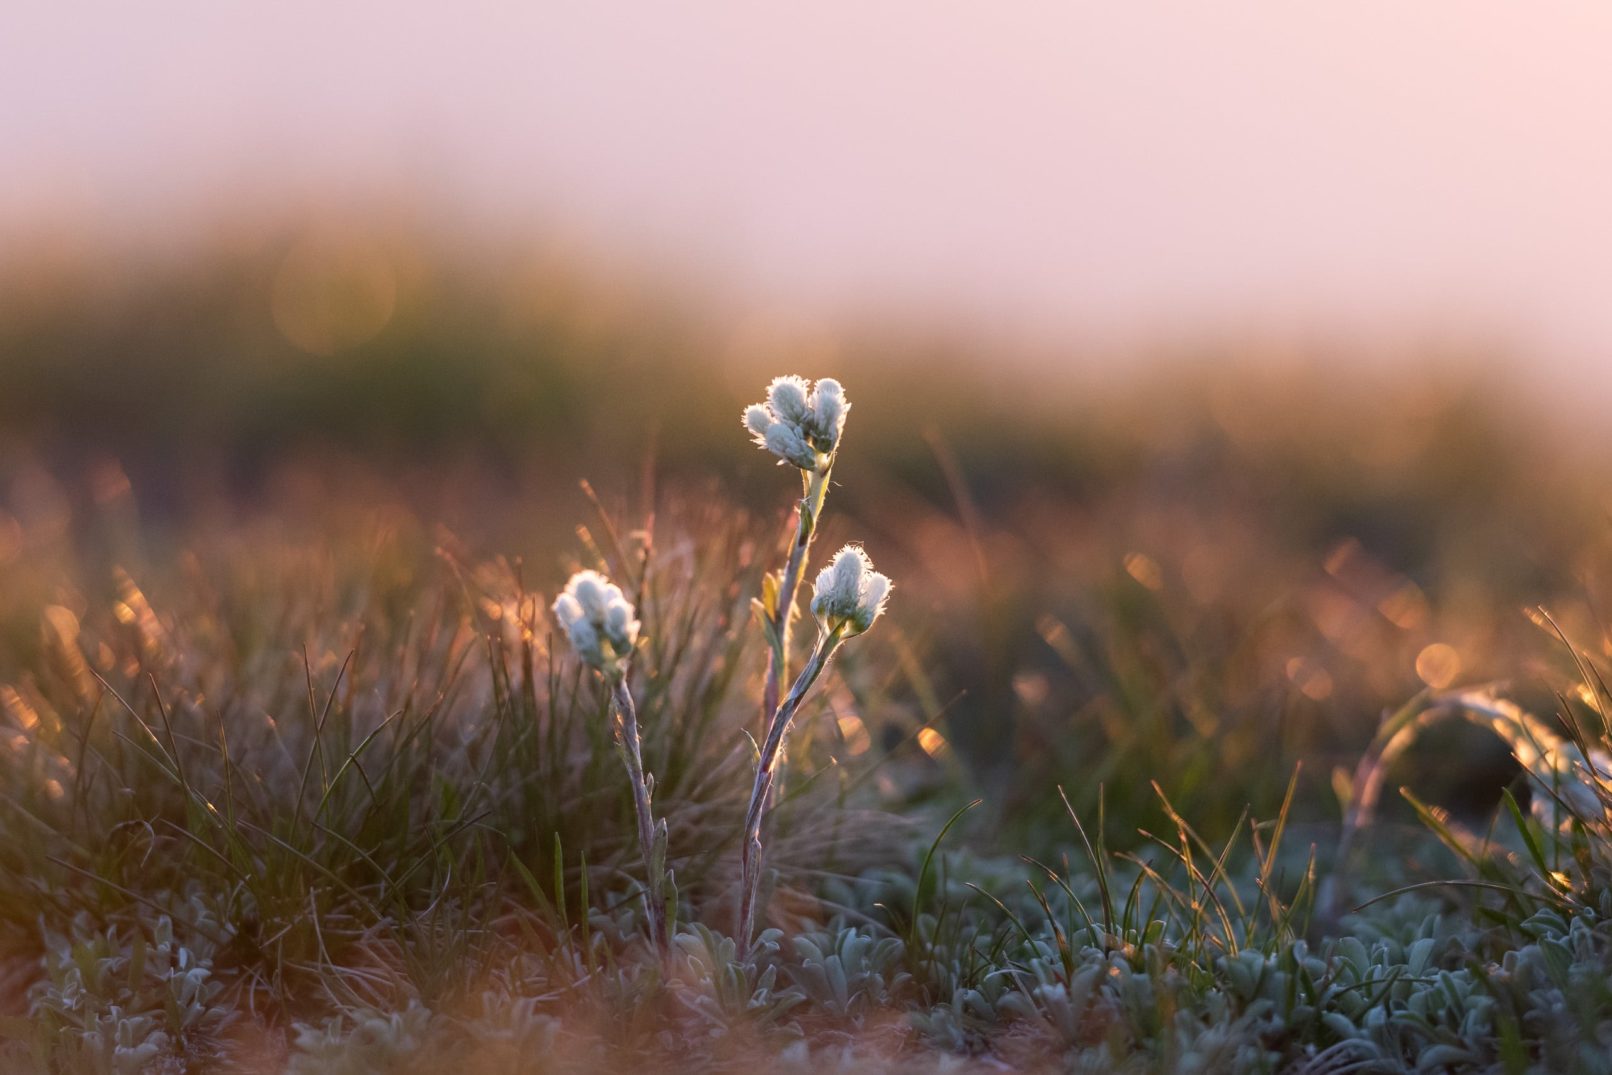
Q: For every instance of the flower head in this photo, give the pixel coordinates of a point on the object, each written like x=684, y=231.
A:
x=800, y=422
x=598, y=620
x=789, y=397
x=849, y=593
x=785, y=441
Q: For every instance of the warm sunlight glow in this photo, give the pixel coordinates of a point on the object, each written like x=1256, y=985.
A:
x=332, y=294
x=1438, y=665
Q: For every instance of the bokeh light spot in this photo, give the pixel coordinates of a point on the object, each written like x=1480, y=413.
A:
x=933, y=743
x=1438, y=665
x=855, y=734
x=332, y=294
x=1145, y=570
x=1313, y=681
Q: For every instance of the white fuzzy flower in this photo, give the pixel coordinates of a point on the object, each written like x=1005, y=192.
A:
x=758, y=419
x=785, y=441
x=592, y=592
x=789, y=397
x=828, y=411
x=568, y=610
x=849, y=592
x=585, y=640
x=800, y=422
x=875, y=591
x=599, y=621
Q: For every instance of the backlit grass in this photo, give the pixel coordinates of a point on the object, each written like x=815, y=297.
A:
x=297, y=772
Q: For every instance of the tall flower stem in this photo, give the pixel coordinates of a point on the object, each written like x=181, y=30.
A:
x=651, y=837
x=811, y=506
x=750, y=849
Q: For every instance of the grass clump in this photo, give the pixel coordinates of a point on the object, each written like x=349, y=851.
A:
x=348, y=803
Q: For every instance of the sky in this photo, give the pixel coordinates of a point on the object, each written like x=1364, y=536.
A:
x=1116, y=171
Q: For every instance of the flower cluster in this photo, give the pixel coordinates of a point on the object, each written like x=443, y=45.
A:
x=849, y=593
x=800, y=423
x=599, y=621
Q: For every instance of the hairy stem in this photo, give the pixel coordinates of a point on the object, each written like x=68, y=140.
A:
x=750, y=848
x=654, y=866
x=811, y=506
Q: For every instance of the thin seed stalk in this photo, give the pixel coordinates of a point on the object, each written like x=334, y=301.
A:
x=654, y=866
x=811, y=506
x=750, y=853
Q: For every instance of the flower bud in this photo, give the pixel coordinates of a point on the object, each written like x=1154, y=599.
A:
x=585, y=640
x=758, y=419
x=875, y=590
x=849, y=594
x=828, y=413
x=785, y=441
x=787, y=396
x=599, y=621
x=800, y=423
x=591, y=591
x=568, y=610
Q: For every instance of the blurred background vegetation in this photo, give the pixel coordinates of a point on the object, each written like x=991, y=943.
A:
x=1204, y=573
x=1199, y=425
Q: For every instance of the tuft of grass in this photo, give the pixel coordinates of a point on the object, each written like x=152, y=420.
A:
x=304, y=785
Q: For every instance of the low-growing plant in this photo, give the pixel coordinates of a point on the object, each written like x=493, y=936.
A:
x=399, y=842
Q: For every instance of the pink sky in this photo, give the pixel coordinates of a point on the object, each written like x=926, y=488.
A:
x=1110, y=169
